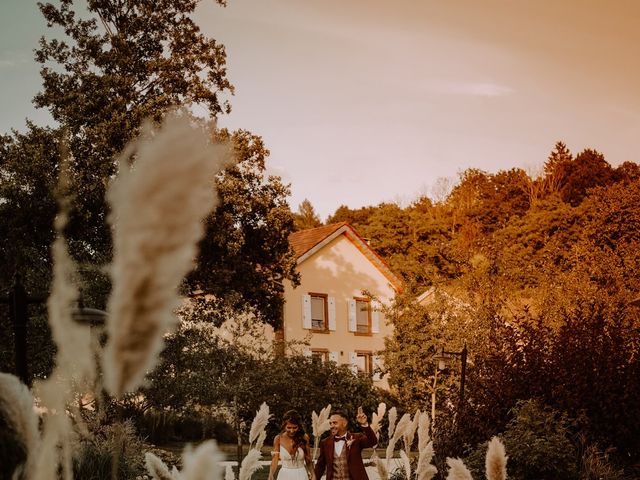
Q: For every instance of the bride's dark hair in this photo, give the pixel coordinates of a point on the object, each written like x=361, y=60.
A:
x=298, y=438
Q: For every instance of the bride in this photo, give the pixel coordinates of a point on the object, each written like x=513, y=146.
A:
x=291, y=446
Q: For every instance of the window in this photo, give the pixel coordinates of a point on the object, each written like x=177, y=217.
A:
x=364, y=362
x=363, y=315
x=320, y=354
x=319, y=312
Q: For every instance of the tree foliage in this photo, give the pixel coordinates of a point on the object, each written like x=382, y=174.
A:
x=201, y=366
x=115, y=64
x=538, y=443
x=245, y=254
x=306, y=216
x=536, y=276
x=118, y=64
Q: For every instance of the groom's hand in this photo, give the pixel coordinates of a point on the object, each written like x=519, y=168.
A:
x=361, y=418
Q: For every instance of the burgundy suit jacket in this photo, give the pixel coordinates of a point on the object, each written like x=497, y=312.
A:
x=360, y=441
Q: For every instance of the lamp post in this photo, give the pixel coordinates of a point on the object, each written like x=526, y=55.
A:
x=444, y=356
x=19, y=301
x=433, y=399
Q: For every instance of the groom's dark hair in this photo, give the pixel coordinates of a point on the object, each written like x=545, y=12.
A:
x=340, y=412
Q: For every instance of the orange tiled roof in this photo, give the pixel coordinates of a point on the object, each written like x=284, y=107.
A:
x=305, y=240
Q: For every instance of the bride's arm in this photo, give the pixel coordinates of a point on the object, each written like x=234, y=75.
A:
x=308, y=461
x=275, y=457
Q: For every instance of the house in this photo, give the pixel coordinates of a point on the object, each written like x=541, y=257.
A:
x=336, y=307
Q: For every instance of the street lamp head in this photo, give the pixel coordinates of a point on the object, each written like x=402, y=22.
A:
x=441, y=359
x=89, y=316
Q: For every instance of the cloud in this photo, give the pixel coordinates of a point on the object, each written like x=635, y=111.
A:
x=477, y=89
x=9, y=60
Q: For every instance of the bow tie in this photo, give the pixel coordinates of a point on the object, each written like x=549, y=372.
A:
x=339, y=439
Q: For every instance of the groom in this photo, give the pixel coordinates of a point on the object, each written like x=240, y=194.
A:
x=341, y=452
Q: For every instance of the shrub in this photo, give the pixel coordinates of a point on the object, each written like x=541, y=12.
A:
x=163, y=426
x=537, y=441
x=595, y=464
x=106, y=444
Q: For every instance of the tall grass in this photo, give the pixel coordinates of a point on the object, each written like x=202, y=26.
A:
x=157, y=210
x=19, y=424
x=319, y=425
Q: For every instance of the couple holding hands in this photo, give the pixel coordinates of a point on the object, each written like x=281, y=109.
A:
x=340, y=453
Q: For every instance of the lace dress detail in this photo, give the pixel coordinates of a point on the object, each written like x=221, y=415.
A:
x=292, y=467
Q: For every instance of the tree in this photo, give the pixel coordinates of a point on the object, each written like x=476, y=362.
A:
x=202, y=366
x=28, y=184
x=627, y=172
x=245, y=254
x=306, y=217
x=488, y=201
x=389, y=233
x=588, y=170
x=556, y=166
x=355, y=217
x=124, y=63
x=120, y=63
x=28, y=179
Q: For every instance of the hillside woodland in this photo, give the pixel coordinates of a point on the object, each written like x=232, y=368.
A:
x=537, y=276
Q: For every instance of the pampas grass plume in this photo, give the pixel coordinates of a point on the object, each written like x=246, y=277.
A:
x=257, y=433
x=376, y=418
x=157, y=208
x=410, y=431
x=320, y=422
x=249, y=464
x=380, y=467
x=398, y=432
x=175, y=473
x=457, y=470
x=393, y=416
x=319, y=425
x=203, y=463
x=423, y=431
x=402, y=426
x=406, y=464
x=228, y=473
x=496, y=461
x=156, y=467
x=424, y=469
x=74, y=363
x=16, y=406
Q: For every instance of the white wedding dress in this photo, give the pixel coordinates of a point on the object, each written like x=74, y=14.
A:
x=292, y=467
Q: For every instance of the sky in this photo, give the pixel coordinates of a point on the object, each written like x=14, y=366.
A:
x=365, y=101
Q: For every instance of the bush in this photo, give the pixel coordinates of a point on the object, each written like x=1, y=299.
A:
x=96, y=454
x=537, y=441
x=596, y=465
x=199, y=372
x=164, y=426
